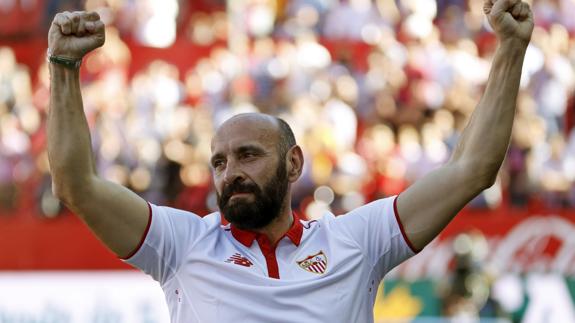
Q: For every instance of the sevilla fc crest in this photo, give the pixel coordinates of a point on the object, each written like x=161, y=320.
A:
x=316, y=264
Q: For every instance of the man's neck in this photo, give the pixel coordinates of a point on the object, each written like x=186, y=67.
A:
x=278, y=227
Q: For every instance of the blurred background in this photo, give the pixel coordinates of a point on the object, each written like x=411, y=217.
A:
x=377, y=93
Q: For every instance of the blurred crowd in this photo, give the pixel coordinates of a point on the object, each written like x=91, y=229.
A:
x=377, y=93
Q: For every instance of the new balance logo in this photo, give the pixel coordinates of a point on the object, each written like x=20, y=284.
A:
x=238, y=259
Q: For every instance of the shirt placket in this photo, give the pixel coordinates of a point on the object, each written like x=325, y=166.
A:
x=269, y=252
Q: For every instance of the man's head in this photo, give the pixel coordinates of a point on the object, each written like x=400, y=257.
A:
x=255, y=159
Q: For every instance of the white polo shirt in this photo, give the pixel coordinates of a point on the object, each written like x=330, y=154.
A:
x=325, y=270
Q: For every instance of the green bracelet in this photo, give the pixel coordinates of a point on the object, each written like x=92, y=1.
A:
x=66, y=62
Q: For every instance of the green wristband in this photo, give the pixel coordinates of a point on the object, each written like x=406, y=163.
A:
x=66, y=62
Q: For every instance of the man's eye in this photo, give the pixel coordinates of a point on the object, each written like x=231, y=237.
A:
x=248, y=155
x=218, y=163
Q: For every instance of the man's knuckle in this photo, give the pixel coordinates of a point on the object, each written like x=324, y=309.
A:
x=99, y=26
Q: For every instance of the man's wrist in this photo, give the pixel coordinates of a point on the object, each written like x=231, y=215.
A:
x=71, y=63
x=512, y=43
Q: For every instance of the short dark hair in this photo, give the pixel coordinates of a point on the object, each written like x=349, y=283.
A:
x=287, y=138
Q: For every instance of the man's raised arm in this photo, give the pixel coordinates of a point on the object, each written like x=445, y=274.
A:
x=116, y=215
x=427, y=206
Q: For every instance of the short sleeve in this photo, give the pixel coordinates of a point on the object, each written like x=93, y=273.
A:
x=170, y=236
x=376, y=229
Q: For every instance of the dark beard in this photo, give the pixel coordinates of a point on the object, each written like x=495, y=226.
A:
x=263, y=210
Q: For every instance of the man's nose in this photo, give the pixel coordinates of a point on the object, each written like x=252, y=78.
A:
x=233, y=173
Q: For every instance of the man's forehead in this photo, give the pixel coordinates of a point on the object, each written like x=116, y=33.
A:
x=244, y=128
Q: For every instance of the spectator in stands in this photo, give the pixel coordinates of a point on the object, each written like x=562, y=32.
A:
x=406, y=88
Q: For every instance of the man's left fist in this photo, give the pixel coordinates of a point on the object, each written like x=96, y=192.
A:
x=510, y=19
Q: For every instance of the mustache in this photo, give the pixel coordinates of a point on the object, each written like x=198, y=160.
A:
x=238, y=187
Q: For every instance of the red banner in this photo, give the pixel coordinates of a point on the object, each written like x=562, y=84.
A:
x=515, y=242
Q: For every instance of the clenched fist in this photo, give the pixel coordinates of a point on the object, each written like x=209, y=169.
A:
x=74, y=34
x=510, y=19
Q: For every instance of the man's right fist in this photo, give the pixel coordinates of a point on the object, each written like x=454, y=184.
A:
x=74, y=34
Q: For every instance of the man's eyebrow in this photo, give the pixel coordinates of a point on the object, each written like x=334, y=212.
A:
x=238, y=150
x=248, y=147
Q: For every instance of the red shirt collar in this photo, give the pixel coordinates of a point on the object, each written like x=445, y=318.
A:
x=247, y=237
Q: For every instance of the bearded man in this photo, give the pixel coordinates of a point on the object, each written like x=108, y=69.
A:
x=268, y=265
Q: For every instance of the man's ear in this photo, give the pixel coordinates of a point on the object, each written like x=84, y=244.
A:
x=294, y=163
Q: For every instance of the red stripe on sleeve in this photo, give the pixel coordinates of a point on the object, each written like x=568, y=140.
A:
x=415, y=250
x=143, y=235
